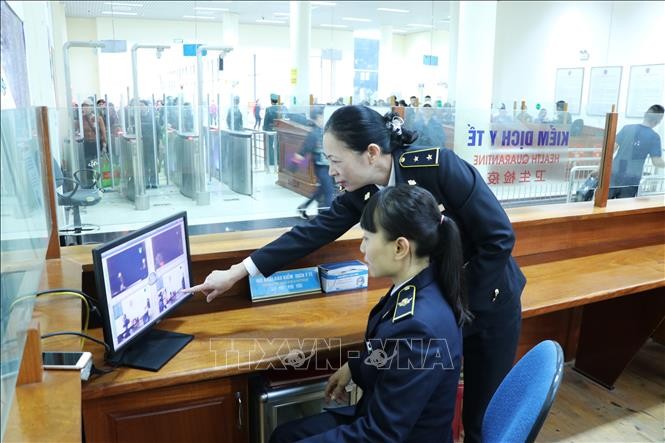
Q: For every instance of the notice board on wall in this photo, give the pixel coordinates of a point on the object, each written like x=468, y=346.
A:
x=568, y=87
x=645, y=88
x=604, y=84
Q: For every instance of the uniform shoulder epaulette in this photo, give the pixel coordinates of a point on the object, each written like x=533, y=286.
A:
x=420, y=158
x=406, y=303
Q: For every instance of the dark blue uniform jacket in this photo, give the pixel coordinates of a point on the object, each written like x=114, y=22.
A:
x=408, y=370
x=492, y=275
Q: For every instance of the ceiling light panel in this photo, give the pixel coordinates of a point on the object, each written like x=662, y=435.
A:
x=203, y=17
x=398, y=11
x=356, y=19
x=118, y=13
x=132, y=5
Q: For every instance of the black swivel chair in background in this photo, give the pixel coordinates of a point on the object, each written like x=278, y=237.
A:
x=80, y=190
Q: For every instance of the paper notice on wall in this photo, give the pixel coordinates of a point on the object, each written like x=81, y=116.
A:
x=645, y=88
x=604, y=86
x=569, y=87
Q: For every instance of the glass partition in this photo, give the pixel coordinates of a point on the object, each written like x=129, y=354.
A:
x=25, y=230
x=217, y=133
x=230, y=176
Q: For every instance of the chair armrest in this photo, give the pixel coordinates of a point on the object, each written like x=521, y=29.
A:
x=92, y=172
x=73, y=191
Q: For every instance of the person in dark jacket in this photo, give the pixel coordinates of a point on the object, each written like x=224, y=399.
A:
x=234, y=116
x=273, y=112
x=367, y=151
x=313, y=145
x=410, y=366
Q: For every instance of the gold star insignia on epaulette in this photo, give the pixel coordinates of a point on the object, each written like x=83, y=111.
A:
x=411, y=182
x=419, y=158
x=406, y=302
x=367, y=196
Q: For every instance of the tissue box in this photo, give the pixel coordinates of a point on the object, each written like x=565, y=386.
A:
x=343, y=276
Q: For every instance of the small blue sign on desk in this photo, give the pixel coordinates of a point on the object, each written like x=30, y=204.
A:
x=285, y=284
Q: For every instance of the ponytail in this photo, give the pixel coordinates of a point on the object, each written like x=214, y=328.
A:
x=412, y=212
x=450, y=263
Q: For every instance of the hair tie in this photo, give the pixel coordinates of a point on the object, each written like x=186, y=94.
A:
x=442, y=218
x=395, y=124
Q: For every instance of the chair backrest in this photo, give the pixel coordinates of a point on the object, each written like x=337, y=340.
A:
x=521, y=403
x=82, y=190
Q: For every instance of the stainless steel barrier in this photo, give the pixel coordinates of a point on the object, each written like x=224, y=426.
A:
x=236, y=161
x=262, y=143
x=186, y=176
x=126, y=145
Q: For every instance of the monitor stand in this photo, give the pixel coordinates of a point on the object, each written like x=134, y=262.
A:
x=153, y=350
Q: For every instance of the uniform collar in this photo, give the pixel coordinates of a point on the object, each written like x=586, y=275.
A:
x=387, y=304
x=420, y=280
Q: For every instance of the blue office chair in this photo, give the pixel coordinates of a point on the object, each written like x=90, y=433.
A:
x=520, y=405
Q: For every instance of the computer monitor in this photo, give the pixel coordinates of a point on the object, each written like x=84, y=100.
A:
x=140, y=278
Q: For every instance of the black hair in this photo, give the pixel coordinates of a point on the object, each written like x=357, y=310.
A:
x=654, y=114
x=359, y=126
x=412, y=212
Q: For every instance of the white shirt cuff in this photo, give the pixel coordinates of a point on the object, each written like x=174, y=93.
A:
x=248, y=263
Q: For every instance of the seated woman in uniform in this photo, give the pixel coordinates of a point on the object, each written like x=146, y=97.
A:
x=410, y=365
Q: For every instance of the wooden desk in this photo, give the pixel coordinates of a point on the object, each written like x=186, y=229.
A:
x=231, y=345
x=50, y=411
x=581, y=260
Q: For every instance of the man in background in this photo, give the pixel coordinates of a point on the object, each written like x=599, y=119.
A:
x=273, y=112
x=634, y=144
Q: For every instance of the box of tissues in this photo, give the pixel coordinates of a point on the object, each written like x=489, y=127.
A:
x=343, y=276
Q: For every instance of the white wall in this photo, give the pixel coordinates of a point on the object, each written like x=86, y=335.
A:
x=415, y=46
x=83, y=63
x=533, y=39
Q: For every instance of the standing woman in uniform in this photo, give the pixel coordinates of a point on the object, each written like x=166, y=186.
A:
x=367, y=151
x=411, y=363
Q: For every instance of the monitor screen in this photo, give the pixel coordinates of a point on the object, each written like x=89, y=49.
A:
x=140, y=278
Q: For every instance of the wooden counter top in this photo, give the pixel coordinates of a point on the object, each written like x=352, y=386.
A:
x=50, y=411
x=246, y=339
x=232, y=245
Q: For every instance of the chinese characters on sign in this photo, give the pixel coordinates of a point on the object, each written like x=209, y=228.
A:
x=528, y=154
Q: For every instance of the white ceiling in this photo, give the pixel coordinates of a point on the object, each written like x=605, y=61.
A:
x=421, y=15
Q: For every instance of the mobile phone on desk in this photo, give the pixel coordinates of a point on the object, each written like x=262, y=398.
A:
x=66, y=360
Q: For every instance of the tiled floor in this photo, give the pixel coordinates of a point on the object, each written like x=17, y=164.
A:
x=269, y=201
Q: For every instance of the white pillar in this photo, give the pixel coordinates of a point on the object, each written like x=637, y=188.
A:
x=474, y=68
x=230, y=29
x=300, y=40
x=386, y=67
x=453, y=38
